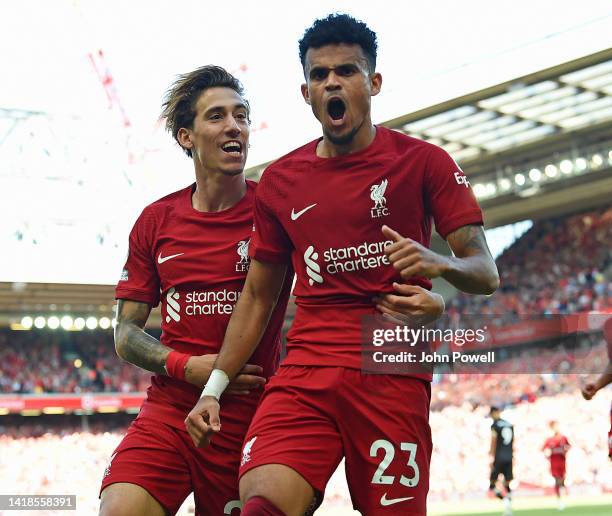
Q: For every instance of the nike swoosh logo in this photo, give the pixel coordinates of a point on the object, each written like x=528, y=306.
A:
x=384, y=501
x=295, y=216
x=161, y=260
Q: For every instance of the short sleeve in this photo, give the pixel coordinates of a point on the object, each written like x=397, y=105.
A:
x=449, y=196
x=270, y=242
x=139, y=279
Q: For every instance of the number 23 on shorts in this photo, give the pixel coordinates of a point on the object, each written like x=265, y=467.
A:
x=379, y=475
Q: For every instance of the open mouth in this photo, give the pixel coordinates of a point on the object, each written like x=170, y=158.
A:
x=336, y=109
x=234, y=148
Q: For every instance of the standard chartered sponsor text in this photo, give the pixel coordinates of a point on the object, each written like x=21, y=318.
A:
x=211, y=302
x=368, y=255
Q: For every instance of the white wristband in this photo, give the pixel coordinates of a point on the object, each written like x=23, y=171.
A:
x=216, y=384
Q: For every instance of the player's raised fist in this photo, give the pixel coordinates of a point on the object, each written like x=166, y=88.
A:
x=203, y=421
x=411, y=258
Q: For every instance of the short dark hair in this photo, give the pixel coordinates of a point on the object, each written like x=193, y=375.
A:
x=340, y=28
x=179, y=105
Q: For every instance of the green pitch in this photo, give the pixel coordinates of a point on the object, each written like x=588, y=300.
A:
x=584, y=510
x=596, y=505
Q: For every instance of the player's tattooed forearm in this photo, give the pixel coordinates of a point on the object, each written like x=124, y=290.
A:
x=144, y=351
x=132, y=343
x=470, y=239
x=474, y=270
x=133, y=312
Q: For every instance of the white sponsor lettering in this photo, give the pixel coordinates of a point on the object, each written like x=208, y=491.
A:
x=196, y=303
x=462, y=179
x=368, y=255
x=211, y=303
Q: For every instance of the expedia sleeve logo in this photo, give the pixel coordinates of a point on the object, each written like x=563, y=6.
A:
x=462, y=179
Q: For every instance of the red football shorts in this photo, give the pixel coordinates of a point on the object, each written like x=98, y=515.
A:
x=310, y=417
x=557, y=467
x=163, y=460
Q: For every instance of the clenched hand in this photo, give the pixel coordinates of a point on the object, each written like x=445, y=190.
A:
x=411, y=258
x=203, y=421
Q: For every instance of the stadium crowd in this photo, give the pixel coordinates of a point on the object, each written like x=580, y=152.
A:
x=67, y=459
x=533, y=373
x=36, y=362
x=564, y=273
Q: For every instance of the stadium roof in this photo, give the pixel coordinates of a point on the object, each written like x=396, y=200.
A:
x=547, y=133
x=558, y=100
x=561, y=99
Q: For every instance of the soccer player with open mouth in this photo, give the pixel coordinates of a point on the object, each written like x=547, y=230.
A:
x=351, y=213
x=189, y=251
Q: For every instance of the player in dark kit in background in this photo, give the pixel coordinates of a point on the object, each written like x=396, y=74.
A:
x=328, y=208
x=605, y=379
x=556, y=448
x=501, y=451
x=188, y=250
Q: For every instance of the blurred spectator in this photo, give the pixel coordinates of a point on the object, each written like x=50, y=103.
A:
x=557, y=267
x=37, y=362
x=52, y=454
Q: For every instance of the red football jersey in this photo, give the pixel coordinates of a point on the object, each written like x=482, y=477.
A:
x=325, y=216
x=196, y=264
x=558, y=446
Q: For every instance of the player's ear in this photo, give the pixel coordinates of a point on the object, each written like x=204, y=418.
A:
x=375, y=83
x=305, y=93
x=184, y=138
